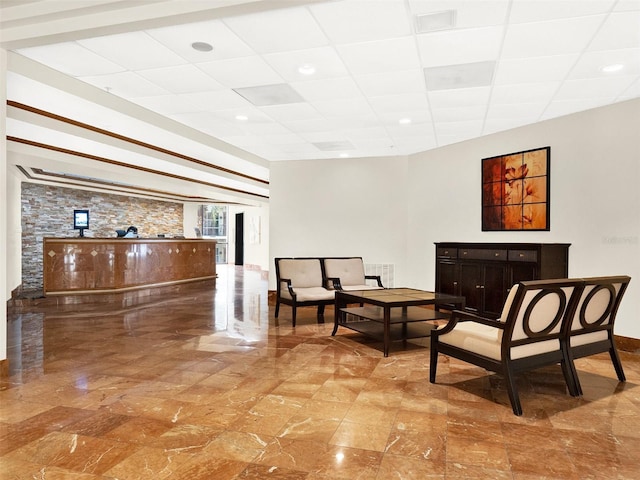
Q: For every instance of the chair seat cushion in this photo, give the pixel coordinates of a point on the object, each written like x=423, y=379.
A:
x=486, y=341
x=310, y=294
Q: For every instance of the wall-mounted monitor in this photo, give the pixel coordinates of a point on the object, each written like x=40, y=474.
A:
x=81, y=221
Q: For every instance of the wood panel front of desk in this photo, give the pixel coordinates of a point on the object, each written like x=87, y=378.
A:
x=104, y=265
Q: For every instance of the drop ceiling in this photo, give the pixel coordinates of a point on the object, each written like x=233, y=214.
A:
x=303, y=80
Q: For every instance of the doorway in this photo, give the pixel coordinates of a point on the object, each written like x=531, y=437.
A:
x=239, y=242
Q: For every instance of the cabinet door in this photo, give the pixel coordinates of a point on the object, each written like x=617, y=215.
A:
x=447, y=278
x=494, y=289
x=521, y=272
x=471, y=285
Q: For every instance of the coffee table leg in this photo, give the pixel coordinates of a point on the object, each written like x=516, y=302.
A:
x=387, y=329
x=336, y=315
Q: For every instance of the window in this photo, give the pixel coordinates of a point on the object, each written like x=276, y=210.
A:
x=214, y=224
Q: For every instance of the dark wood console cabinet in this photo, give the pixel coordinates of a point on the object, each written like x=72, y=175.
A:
x=483, y=273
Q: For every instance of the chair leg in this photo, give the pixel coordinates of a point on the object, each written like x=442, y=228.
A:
x=570, y=373
x=433, y=359
x=617, y=364
x=277, y=307
x=512, y=390
x=320, y=310
x=293, y=315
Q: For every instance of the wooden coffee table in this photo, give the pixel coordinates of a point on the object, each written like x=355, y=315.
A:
x=391, y=314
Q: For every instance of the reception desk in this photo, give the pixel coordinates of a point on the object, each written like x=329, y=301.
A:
x=107, y=265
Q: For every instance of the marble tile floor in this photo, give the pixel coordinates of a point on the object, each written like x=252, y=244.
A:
x=206, y=384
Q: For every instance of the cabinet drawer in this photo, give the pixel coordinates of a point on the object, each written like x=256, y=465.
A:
x=483, y=254
x=523, y=256
x=443, y=252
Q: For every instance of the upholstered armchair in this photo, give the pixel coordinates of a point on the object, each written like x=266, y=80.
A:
x=300, y=283
x=527, y=335
x=591, y=329
x=348, y=274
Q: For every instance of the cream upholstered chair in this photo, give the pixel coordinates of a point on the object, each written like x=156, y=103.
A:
x=591, y=330
x=348, y=274
x=527, y=335
x=300, y=283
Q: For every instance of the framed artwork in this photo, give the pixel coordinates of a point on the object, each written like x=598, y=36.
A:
x=515, y=191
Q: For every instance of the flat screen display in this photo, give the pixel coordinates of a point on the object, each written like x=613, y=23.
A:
x=80, y=219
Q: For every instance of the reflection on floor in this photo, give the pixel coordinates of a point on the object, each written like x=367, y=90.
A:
x=207, y=385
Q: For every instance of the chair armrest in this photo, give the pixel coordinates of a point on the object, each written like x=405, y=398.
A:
x=462, y=316
x=336, y=282
x=376, y=278
x=287, y=282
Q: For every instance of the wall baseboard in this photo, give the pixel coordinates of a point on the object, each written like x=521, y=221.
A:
x=627, y=344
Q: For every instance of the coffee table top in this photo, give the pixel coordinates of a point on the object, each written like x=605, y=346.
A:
x=400, y=296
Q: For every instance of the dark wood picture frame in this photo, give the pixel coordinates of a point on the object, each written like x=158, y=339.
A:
x=515, y=191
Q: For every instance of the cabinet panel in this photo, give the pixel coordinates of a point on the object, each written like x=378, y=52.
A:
x=470, y=281
x=494, y=289
x=448, y=278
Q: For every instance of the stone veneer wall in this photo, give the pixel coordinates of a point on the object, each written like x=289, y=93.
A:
x=47, y=211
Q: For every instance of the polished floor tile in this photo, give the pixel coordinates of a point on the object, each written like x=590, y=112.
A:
x=204, y=383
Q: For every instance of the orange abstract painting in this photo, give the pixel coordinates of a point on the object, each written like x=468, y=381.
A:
x=515, y=191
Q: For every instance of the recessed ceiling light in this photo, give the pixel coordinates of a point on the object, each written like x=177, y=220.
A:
x=344, y=155
x=202, y=46
x=614, y=67
x=432, y=22
x=404, y=121
x=242, y=118
x=307, y=69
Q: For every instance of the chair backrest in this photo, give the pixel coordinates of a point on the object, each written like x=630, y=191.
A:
x=350, y=271
x=303, y=272
x=537, y=316
x=598, y=305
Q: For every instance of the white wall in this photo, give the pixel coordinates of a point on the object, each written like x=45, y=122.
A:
x=393, y=210
x=595, y=199
x=342, y=207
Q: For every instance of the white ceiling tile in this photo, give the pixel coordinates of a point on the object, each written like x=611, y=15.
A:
x=327, y=89
x=525, y=11
x=558, y=37
x=167, y=104
x=351, y=107
x=459, y=114
x=281, y=139
x=225, y=43
x=535, y=69
x=393, y=118
x=379, y=84
x=241, y=72
x=603, y=87
x=567, y=107
x=378, y=57
x=312, y=125
x=126, y=85
x=362, y=20
x=355, y=134
x=278, y=30
x=181, y=79
x=291, y=112
x=413, y=130
x=324, y=60
x=526, y=112
x=620, y=30
x=399, y=103
x=71, y=58
x=469, y=14
x=523, y=93
x=633, y=91
x=133, y=51
x=466, y=128
x=591, y=63
x=218, y=100
x=459, y=98
x=460, y=46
